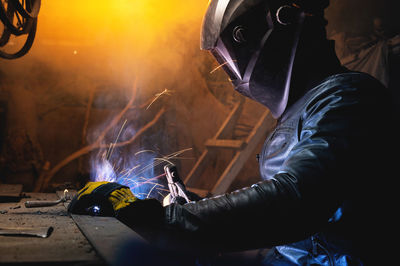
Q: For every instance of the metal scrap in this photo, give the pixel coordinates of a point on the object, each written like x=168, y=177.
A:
x=42, y=232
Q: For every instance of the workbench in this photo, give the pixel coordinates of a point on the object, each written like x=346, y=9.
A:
x=82, y=239
x=75, y=239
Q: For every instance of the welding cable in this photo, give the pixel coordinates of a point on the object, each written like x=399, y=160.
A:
x=5, y=36
x=23, y=26
x=27, y=45
x=31, y=9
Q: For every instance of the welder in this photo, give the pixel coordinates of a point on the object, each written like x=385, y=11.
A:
x=326, y=167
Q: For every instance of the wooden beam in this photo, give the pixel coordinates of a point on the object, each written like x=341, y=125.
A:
x=201, y=192
x=229, y=124
x=241, y=157
x=208, y=155
x=225, y=144
x=106, y=234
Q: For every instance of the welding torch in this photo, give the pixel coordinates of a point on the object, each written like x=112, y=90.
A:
x=178, y=192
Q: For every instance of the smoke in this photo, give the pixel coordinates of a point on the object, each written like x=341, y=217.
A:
x=129, y=165
x=117, y=39
x=103, y=46
x=142, y=41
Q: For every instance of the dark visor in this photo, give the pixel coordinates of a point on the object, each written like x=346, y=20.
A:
x=225, y=61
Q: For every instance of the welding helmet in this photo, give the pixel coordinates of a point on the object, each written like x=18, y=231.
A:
x=255, y=42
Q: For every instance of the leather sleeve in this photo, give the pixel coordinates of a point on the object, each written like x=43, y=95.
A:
x=317, y=176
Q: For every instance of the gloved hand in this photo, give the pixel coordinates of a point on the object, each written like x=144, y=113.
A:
x=113, y=199
x=101, y=198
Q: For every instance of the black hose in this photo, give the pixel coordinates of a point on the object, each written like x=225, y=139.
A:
x=27, y=45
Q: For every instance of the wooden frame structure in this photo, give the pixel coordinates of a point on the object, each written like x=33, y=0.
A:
x=243, y=148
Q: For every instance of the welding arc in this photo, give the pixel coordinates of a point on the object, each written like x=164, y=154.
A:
x=159, y=161
x=143, y=151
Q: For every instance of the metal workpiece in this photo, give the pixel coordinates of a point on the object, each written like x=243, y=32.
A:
x=47, y=203
x=42, y=232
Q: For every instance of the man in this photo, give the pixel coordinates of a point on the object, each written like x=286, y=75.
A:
x=325, y=167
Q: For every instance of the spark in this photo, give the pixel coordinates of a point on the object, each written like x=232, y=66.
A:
x=180, y=152
x=112, y=146
x=151, y=190
x=156, y=162
x=133, y=177
x=153, y=183
x=165, y=160
x=162, y=189
x=141, y=177
x=221, y=65
x=158, y=95
x=147, y=181
x=185, y=158
x=128, y=172
x=161, y=194
x=143, y=151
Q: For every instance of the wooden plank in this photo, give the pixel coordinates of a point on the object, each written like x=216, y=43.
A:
x=229, y=124
x=65, y=245
x=208, y=155
x=225, y=144
x=106, y=234
x=10, y=190
x=241, y=157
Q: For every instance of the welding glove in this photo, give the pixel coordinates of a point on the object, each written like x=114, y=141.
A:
x=101, y=198
x=113, y=199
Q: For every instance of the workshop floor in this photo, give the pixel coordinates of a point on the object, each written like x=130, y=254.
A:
x=65, y=245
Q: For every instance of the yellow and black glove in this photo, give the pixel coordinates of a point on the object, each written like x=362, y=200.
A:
x=102, y=199
x=113, y=199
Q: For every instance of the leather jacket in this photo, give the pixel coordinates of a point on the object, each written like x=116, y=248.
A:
x=320, y=201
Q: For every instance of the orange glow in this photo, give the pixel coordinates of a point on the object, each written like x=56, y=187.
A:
x=114, y=39
x=121, y=22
